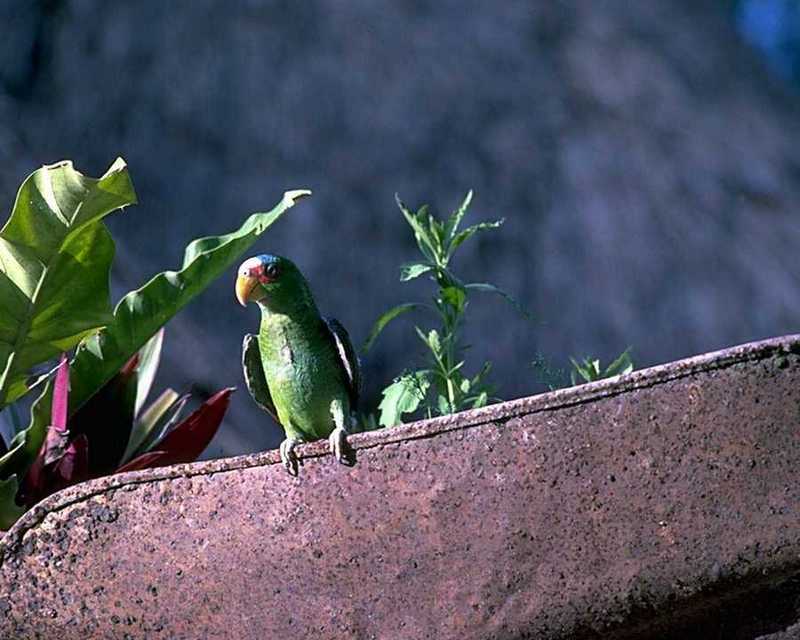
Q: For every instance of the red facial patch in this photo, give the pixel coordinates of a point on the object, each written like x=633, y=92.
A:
x=254, y=268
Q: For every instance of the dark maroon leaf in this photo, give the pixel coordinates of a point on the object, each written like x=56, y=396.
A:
x=74, y=465
x=34, y=481
x=45, y=479
x=188, y=439
x=106, y=419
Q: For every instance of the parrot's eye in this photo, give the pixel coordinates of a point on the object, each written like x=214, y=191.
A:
x=272, y=271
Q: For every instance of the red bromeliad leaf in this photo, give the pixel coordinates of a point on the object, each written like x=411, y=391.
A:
x=56, y=441
x=130, y=366
x=189, y=439
x=60, y=462
x=144, y=461
x=58, y=416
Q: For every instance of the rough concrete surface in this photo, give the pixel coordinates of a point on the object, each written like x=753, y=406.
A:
x=659, y=505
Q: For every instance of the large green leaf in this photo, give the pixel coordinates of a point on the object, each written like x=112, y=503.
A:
x=55, y=257
x=23, y=448
x=10, y=511
x=144, y=311
x=404, y=395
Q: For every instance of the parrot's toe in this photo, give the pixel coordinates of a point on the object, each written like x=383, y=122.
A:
x=340, y=447
x=288, y=456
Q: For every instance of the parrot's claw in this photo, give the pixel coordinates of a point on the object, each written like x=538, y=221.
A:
x=288, y=456
x=339, y=446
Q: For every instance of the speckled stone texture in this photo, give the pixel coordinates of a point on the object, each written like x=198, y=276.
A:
x=660, y=505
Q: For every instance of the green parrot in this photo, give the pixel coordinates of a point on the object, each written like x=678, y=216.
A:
x=301, y=368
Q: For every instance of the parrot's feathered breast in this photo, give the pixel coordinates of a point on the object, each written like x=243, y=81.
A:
x=294, y=375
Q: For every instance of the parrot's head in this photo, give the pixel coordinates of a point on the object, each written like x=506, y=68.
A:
x=272, y=281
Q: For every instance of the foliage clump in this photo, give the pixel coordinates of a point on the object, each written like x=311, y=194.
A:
x=55, y=261
x=590, y=370
x=441, y=386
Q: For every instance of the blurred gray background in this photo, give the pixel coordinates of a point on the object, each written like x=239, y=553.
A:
x=646, y=156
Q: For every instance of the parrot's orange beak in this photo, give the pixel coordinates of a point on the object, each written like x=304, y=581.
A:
x=244, y=287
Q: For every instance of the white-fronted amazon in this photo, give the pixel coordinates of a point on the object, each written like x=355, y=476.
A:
x=301, y=368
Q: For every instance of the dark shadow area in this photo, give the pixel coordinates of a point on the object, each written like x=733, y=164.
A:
x=746, y=608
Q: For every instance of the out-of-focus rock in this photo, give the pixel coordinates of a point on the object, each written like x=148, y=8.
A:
x=648, y=168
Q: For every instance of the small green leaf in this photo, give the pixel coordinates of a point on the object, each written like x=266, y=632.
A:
x=433, y=342
x=415, y=221
x=478, y=378
x=436, y=230
x=621, y=365
x=580, y=369
x=467, y=233
x=443, y=404
x=413, y=270
x=455, y=297
x=455, y=219
x=481, y=401
x=10, y=511
x=403, y=396
x=385, y=319
x=485, y=287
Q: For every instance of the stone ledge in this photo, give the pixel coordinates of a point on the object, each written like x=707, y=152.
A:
x=662, y=504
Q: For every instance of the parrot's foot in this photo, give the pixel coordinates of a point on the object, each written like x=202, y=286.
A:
x=288, y=456
x=339, y=446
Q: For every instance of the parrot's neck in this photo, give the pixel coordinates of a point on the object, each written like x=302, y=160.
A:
x=283, y=334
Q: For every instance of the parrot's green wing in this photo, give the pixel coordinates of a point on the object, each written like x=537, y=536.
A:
x=254, y=375
x=347, y=358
